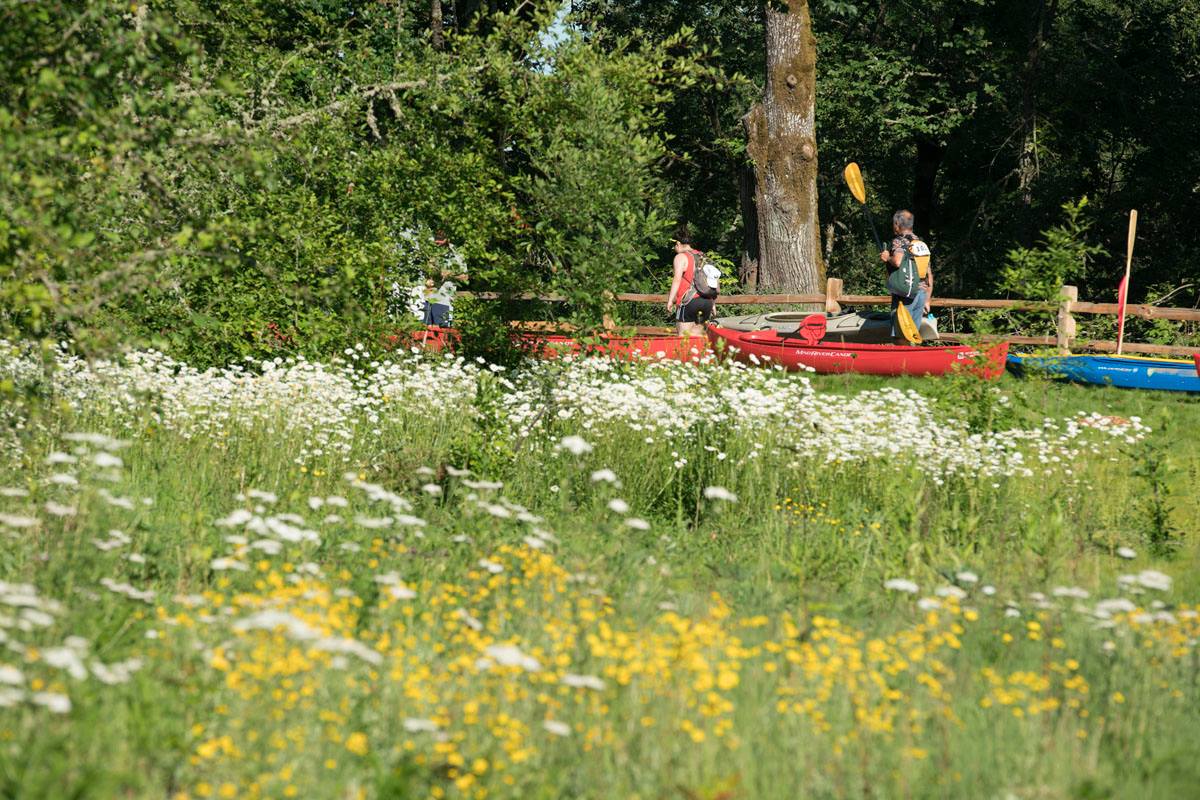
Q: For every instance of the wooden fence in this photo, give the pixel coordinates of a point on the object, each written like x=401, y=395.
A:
x=833, y=299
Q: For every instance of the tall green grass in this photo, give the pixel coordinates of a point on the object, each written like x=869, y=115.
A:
x=796, y=565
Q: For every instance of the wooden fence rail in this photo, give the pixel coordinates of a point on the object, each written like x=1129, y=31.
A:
x=833, y=299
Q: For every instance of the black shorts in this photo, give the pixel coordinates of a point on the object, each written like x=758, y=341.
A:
x=698, y=310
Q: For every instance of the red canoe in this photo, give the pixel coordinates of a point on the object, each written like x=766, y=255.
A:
x=553, y=345
x=790, y=351
x=673, y=348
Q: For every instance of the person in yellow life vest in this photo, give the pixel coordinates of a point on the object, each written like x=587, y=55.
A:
x=910, y=274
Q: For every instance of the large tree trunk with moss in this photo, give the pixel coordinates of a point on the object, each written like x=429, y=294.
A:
x=781, y=142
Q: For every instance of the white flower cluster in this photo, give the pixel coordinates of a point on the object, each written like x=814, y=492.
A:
x=341, y=407
x=667, y=402
x=1109, y=613
x=24, y=615
x=335, y=408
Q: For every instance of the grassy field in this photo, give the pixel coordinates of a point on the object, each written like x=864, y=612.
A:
x=432, y=578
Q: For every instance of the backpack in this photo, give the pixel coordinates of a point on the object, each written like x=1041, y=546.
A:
x=706, y=278
x=904, y=281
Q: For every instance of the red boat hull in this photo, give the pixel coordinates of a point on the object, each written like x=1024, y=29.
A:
x=552, y=345
x=790, y=352
x=673, y=348
x=432, y=339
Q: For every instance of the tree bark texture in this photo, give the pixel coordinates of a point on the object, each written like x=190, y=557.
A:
x=1027, y=161
x=436, y=32
x=749, y=271
x=782, y=145
x=930, y=153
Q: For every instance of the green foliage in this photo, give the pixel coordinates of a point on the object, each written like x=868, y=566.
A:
x=1039, y=273
x=1063, y=257
x=1154, y=508
x=249, y=179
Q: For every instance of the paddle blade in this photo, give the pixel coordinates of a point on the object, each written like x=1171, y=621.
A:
x=854, y=180
x=1132, y=236
x=907, y=326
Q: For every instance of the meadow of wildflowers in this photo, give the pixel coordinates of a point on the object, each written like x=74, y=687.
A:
x=431, y=577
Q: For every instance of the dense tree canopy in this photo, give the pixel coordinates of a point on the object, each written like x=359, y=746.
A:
x=983, y=116
x=233, y=178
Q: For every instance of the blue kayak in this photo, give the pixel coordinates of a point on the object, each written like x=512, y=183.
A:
x=1126, y=372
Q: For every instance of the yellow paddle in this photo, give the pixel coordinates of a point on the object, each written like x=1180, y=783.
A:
x=858, y=188
x=907, y=326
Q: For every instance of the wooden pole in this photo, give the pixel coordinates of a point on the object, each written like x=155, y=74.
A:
x=1066, y=322
x=1125, y=283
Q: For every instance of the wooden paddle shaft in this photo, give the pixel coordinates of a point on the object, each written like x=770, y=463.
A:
x=1125, y=283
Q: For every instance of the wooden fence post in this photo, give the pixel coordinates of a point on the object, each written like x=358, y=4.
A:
x=833, y=292
x=608, y=322
x=1066, y=322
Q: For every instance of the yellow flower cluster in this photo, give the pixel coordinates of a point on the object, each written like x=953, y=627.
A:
x=466, y=682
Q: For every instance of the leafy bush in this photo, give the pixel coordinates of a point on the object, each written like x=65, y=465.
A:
x=239, y=182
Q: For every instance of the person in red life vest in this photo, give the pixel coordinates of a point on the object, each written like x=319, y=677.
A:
x=691, y=308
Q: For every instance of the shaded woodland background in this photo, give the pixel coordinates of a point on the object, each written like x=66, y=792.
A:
x=227, y=179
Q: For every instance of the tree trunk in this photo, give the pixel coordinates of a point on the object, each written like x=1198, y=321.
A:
x=1027, y=161
x=929, y=160
x=749, y=271
x=436, y=33
x=782, y=146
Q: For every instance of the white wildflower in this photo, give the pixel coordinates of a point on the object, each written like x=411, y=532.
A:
x=107, y=461
x=575, y=445
x=59, y=510
x=235, y=518
x=719, y=493
x=584, y=682
x=604, y=475
x=52, y=701
x=417, y=725
x=1153, y=579
x=507, y=655
x=557, y=728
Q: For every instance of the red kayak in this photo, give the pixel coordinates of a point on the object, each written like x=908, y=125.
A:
x=794, y=353
x=673, y=348
x=431, y=339
x=554, y=345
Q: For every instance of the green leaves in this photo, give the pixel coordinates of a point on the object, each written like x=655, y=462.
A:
x=1063, y=257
